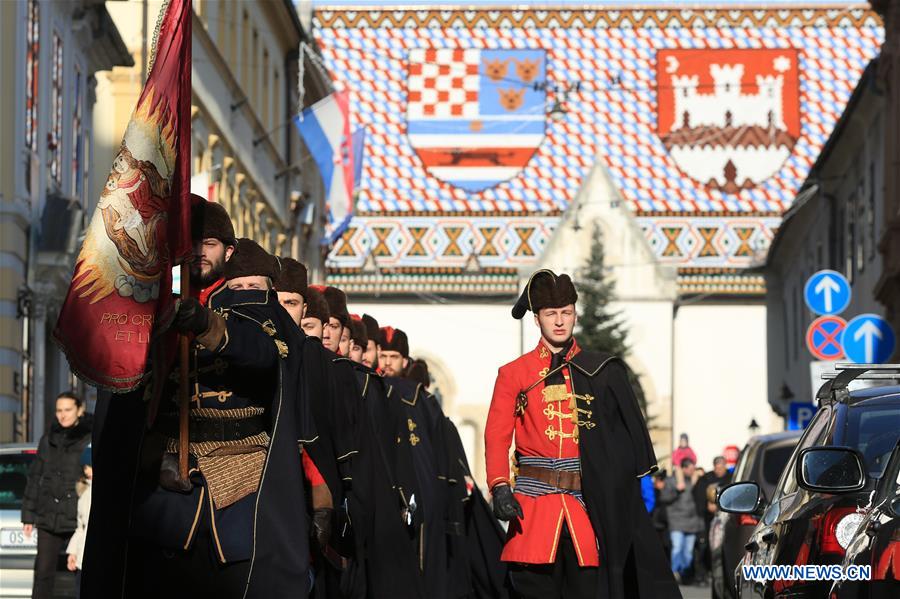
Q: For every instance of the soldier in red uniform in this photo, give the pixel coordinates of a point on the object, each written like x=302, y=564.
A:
x=577, y=527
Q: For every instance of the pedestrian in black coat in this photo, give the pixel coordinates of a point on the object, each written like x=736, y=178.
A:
x=51, y=503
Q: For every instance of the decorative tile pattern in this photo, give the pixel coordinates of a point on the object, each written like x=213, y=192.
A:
x=612, y=118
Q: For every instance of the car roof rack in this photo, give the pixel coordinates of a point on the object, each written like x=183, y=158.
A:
x=835, y=387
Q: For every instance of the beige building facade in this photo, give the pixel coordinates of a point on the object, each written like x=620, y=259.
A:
x=50, y=55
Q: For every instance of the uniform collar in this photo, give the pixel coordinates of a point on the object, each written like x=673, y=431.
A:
x=545, y=355
x=203, y=296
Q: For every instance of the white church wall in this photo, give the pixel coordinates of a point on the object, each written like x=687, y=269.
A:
x=464, y=345
x=720, y=376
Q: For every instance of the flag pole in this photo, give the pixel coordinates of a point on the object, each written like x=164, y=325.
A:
x=184, y=402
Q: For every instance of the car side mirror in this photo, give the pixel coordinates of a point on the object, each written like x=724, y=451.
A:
x=830, y=470
x=740, y=498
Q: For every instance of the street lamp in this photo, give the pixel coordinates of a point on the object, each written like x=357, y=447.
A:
x=754, y=427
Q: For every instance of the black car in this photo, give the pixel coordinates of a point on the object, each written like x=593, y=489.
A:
x=876, y=542
x=805, y=522
x=761, y=461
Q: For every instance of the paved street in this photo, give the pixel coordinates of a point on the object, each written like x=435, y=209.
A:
x=691, y=592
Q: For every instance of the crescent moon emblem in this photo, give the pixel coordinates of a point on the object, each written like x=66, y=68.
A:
x=671, y=64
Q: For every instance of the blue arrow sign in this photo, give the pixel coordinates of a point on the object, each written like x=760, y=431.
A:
x=827, y=292
x=868, y=339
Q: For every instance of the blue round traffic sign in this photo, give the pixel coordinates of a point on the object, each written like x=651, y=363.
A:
x=823, y=338
x=827, y=292
x=868, y=339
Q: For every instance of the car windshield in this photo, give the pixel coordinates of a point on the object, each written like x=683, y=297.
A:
x=874, y=431
x=13, y=476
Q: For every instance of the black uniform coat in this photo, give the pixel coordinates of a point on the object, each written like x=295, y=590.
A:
x=422, y=425
x=615, y=452
x=479, y=549
x=385, y=545
x=277, y=517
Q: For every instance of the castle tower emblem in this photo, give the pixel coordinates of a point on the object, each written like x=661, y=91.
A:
x=729, y=118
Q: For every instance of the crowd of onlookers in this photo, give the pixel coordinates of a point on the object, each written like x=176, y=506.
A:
x=682, y=504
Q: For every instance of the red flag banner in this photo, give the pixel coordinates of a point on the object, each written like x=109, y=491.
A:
x=121, y=291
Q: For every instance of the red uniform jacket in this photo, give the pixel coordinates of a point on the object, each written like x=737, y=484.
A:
x=546, y=429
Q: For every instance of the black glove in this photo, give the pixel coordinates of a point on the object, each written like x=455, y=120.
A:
x=191, y=317
x=321, y=525
x=169, y=477
x=506, y=507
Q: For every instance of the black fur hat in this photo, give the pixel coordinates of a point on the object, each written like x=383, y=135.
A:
x=316, y=306
x=249, y=259
x=392, y=339
x=358, y=331
x=209, y=220
x=545, y=290
x=337, y=304
x=371, y=327
x=292, y=277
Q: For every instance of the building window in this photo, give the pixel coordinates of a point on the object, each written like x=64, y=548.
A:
x=265, y=92
x=850, y=238
x=32, y=63
x=870, y=214
x=254, y=72
x=245, y=53
x=78, y=135
x=54, y=137
x=276, y=110
x=796, y=323
x=861, y=206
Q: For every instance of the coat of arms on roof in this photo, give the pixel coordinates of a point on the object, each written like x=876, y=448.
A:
x=475, y=117
x=729, y=118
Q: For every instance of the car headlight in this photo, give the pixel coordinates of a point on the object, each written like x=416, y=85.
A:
x=846, y=528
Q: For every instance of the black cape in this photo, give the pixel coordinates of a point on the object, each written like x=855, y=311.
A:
x=615, y=453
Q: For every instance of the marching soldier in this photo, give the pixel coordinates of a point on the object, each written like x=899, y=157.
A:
x=422, y=427
x=316, y=316
x=359, y=339
x=370, y=356
x=578, y=528
x=291, y=286
x=230, y=530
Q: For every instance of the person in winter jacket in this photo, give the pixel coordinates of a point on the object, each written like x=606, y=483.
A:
x=684, y=521
x=75, y=550
x=50, y=502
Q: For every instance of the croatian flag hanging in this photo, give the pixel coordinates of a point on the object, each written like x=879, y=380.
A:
x=325, y=128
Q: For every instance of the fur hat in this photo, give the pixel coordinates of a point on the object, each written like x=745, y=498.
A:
x=358, y=331
x=418, y=372
x=337, y=304
x=394, y=340
x=545, y=290
x=316, y=306
x=209, y=220
x=292, y=277
x=249, y=259
x=371, y=327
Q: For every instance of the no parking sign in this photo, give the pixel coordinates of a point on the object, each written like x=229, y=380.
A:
x=823, y=338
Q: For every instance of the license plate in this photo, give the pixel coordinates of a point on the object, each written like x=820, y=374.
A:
x=14, y=538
